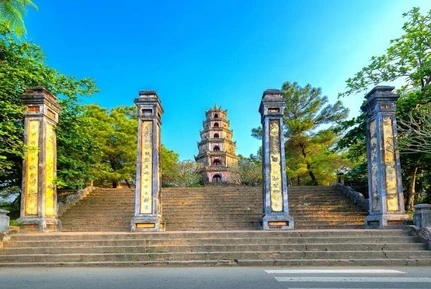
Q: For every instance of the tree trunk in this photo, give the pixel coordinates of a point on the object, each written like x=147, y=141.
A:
x=128, y=184
x=411, y=193
x=114, y=184
x=310, y=173
x=312, y=176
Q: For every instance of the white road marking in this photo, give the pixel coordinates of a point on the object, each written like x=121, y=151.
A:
x=336, y=271
x=355, y=279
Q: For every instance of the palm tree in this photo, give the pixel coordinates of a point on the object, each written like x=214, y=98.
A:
x=12, y=14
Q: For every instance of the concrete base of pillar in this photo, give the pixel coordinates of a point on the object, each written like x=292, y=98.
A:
x=279, y=221
x=379, y=221
x=147, y=223
x=39, y=224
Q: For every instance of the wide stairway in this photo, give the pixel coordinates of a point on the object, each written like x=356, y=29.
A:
x=215, y=226
x=221, y=248
x=212, y=208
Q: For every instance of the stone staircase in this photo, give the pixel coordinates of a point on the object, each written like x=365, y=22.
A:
x=217, y=248
x=213, y=208
x=215, y=226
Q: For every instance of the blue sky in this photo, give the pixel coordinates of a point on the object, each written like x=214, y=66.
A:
x=196, y=54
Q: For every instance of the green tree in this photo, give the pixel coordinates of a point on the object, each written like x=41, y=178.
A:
x=188, y=174
x=169, y=162
x=22, y=66
x=114, y=132
x=250, y=170
x=12, y=14
x=407, y=59
x=309, y=142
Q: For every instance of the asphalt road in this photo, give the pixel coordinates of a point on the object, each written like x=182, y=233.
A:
x=218, y=277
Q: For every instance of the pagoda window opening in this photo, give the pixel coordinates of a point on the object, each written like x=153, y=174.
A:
x=216, y=124
x=216, y=162
x=216, y=115
x=216, y=148
x=217, y=179
x=216, y=135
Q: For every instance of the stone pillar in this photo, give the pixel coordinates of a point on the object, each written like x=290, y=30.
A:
x=39, y=193
x=148, y=214
x=275, y=204
x=422, y=216
x=384, y=171
x=4, y=221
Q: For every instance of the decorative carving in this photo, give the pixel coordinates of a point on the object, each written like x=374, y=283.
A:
x=374, y=167
x=32, y=165
x=50, y=171
x=385, y=106
x=146, y=168
x=275, y=167
x=389, y=159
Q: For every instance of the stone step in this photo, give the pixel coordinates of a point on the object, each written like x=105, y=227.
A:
x=235, y=262
x=300, y=247
x=288, y=234
x=145, y=248
x=93, y=243
x=189, y=256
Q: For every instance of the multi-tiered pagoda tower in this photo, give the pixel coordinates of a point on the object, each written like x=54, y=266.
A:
x=216, y=149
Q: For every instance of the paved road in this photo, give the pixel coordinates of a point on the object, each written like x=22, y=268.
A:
x=214, y=278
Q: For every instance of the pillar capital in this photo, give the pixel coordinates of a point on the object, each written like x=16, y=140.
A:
x=380, y=99
x=149, y=105
x=272, y=103
x=40, y=102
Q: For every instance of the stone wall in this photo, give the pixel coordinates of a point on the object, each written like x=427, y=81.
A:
x=356, y=197
x=68, y=199
x=424, y=234
x=4, y=221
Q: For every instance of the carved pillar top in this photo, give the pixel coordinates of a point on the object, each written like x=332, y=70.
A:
x=380, y=99
x=40, y=102
x=272, y=103
x=149, y=105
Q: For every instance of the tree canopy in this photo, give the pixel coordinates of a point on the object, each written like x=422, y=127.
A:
x=12, y=14
x=310, y=140
x=22, y=66
x=114, y=134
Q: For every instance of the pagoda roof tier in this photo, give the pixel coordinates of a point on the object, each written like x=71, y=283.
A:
x=219, y=153
x=216, y=140
x=216, y=129
x=221, y=120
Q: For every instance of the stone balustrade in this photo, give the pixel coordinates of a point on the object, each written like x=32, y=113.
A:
x=4, y=221
x=422, y=216
x=356, y=197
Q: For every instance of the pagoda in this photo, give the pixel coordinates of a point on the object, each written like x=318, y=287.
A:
x=216, y=149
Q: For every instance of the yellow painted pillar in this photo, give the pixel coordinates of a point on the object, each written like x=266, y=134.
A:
x=39, y=193
x=148, y=214
x=275, y=201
